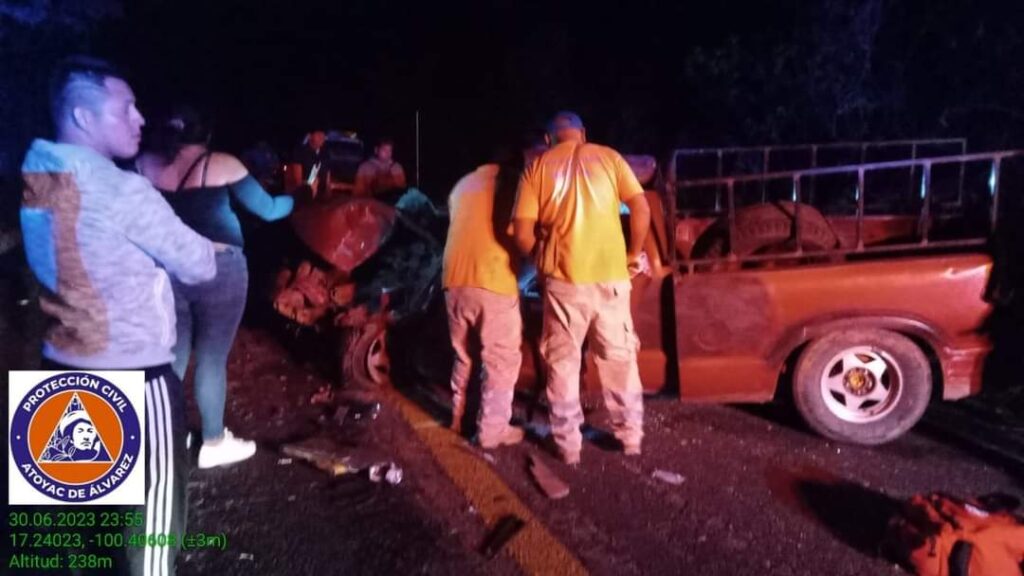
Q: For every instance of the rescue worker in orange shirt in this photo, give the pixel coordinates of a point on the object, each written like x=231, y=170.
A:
x=482, y=296
x=380, y=173
x=567, y=216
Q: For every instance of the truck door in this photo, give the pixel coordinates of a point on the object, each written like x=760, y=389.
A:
x=724, y=322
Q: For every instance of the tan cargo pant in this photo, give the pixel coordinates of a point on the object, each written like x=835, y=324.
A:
x=496, y=321
x=600, y=312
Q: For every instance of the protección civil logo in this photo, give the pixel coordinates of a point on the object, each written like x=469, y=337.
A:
x=76, y=437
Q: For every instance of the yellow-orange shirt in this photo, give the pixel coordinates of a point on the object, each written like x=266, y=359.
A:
x=473, y=255
x=574, y=192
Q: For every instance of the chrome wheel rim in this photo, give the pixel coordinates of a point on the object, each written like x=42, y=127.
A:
x=861, y=384
x=378, y=365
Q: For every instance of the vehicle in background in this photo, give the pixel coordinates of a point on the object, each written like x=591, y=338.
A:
x=340, y=156
x=342, y=152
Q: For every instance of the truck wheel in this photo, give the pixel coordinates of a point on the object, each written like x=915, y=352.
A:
x=862, y=386
x=365, y=359
x=764, y=228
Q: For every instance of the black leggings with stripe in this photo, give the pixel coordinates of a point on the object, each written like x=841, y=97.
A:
x=166, y=478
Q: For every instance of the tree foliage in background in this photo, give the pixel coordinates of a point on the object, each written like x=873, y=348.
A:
x=864, y=69
x=33, y=35
x=658, y=75
x=816, y=82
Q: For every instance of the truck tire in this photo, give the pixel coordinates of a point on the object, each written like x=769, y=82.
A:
x=763, y=228
x=862, y=386
x=364, y=357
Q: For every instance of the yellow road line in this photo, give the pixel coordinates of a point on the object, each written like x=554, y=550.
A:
x=533, y=548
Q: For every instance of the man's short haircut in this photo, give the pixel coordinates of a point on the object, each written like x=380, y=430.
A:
x=78, y=80
x=565, y=119
x=384, y=142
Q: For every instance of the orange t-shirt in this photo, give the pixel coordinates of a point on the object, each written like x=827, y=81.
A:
x=574, y=192
x=473, y=254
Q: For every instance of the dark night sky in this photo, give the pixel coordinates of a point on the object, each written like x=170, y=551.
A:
x=477, y=71
x=645, y=75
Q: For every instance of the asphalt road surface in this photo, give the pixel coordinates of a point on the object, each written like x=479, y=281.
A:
x=759, y=494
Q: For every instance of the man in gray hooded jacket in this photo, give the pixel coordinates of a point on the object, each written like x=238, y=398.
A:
x=102, y=241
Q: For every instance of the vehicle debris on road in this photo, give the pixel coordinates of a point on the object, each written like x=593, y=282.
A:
x=504, y=530
x=387, y=471
x=323, y=395
x=326, y=461
x=340, y=415
x=370, y=412
x=667, y=477
x=552, y=486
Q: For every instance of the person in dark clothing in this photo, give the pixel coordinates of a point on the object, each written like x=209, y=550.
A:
x=200, y=185
x=264, y=164
x=306, y=162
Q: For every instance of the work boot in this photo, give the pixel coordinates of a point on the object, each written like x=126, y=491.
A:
x=511, y=435
x=227, y=450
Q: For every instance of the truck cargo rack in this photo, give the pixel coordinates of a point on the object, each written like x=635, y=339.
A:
x=924, y=217
x=808, y=156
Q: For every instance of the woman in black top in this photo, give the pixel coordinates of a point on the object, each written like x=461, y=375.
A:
x=200, y=185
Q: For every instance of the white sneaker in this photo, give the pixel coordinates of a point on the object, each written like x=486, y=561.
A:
x=227, y=450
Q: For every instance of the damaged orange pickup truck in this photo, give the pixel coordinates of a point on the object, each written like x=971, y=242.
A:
x=861, y=286
x=850, y=276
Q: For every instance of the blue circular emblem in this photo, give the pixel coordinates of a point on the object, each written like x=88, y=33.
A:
x=75, y=437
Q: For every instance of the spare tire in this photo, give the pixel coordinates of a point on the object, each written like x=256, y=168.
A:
x=763, y=228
